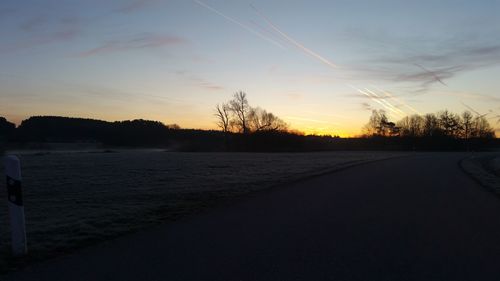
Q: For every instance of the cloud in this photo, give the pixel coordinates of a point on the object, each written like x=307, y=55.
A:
x=424, y=60
x=199, y=82
x=294, y=96
x=473, y=96
x=41, y=39
x=41, y=30
x=139, y=42
x=202, y=83
x=135, y=5
x=4, y=12
x=366, y=106
x=33, y=23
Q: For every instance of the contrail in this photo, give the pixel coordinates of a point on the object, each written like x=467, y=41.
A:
x=476, y=112
x=431, y=73
x=470, y=108
x=386, y=104
x=390, y=109
x=268, y=32
x=247, y=28
x=390, y=105
x=397, y=100
x=292, y=41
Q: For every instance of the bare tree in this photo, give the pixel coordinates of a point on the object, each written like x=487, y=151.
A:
x=482, y=128
x=261, y=120
x=466, y=125
x=372, y=128
x=430, y=125
x=240, y=108
x=237, y=115
x=411, y=126
x=450, y=123
x=222, y=113
x=379, y=125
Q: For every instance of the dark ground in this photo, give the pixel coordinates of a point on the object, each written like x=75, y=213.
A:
x=415, y=218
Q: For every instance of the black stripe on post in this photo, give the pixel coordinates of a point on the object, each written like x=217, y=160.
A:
x=14, y=191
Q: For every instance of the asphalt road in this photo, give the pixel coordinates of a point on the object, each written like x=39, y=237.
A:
x=415, y=218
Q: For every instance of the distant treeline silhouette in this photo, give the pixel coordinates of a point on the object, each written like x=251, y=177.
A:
x=55, y=129
x=36, y=131
x=442, y=131
x=444, y=123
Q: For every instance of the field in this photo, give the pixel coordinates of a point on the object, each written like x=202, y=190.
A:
x=73, y=199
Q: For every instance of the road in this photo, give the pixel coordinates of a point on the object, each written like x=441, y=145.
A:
x=414, y=218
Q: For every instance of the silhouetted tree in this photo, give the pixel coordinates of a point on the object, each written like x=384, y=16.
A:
x=482, y=128
x=467, y=123
x=379, y=125
x=223, y=115
x=442, y=131
x=374, y=125
x=450, y=123
x=238, y=116
x=6, y=128
x=431, y=125
x=173, y=126
x=240, y=108
x=261, y=120
x=412, y=126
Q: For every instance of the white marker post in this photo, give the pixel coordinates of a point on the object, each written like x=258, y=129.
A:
x=15, y=203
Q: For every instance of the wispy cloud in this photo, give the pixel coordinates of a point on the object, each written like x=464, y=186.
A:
x=366, y=106
x=41, y=39
x=207, y=85
x=34, y=23
x=431, y=73
x=294, y=96
x=4, y=12
x=471, y=96
x=40, y=30
x=199, y=82
x=135, y=5
x=420, y=60
x=138, y=42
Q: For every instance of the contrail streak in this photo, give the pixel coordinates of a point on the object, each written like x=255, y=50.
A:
x=247, y=28
x=294, y=42
x=268, y=32
x=390, y=109
x=431, y=73
x=387, y=103
x=470, y=108
x=397, y=100
x=476, y=112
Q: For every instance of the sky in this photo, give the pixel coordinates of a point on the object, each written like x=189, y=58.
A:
x=322, y=66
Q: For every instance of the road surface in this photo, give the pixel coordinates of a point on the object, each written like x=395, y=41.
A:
x=415, y=218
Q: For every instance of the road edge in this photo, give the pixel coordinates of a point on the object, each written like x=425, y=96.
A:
x=474, y=169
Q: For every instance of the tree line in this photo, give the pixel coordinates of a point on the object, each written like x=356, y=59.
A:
x=432, y=125
x=247, y=128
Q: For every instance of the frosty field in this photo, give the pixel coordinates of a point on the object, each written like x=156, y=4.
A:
x=79, y=198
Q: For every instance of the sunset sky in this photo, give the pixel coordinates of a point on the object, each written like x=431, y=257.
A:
x=322, y=66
